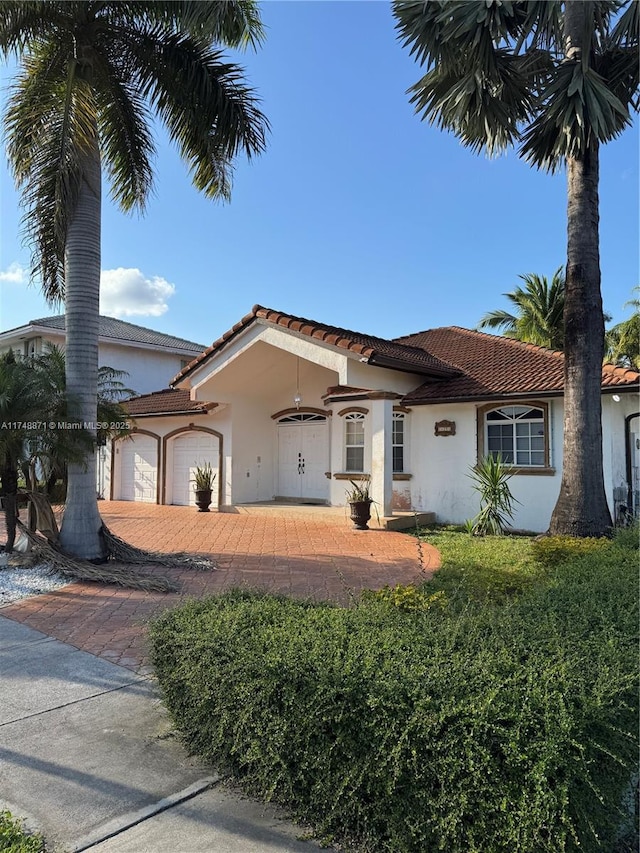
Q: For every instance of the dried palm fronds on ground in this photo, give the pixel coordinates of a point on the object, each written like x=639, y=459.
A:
x=43, y=547
x=122, y=551
x=109, y=572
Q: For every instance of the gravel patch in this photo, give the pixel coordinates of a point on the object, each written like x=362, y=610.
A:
x=18, y=582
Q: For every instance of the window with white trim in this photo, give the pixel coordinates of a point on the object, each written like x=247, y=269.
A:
x=517, y=434
x=398, y=438
x=354, y=442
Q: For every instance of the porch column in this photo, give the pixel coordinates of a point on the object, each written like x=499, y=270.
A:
x=382, y=454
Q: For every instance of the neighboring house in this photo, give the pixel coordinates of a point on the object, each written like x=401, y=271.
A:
x=150, y=358
x=288, y=408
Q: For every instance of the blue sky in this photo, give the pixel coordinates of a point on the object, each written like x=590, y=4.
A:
x=358, y=215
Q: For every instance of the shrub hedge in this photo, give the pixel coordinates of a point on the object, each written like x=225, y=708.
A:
x=491, y=728
x=15, y=839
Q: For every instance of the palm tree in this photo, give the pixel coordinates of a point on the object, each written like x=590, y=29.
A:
x=31, y=401
x=111, y=415
x=92, y=74
x=622, y=341
x=539, y=307
x=558, y=79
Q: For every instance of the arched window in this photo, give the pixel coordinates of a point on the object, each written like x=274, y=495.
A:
x=302, y=418
x=518, y=434
x=354, y=442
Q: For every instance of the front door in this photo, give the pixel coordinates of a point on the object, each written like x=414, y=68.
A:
x=303, y=450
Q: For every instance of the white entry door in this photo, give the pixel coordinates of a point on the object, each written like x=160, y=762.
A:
x=189, y=450
x=303, y=451
x=138, y=469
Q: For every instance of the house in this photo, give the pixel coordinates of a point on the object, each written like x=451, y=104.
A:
x=292, y=409
x=150, y=358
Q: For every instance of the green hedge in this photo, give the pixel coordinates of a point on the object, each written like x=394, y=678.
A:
x=507, y=728
x=15, y=839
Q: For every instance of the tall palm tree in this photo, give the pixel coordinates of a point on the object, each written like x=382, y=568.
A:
x=539, y=308
x=558, y=79
x=92, y=74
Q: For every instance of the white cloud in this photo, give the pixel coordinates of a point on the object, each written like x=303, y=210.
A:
x=15, y=274
x=126, y=292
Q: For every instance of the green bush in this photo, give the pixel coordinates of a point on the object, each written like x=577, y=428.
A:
x=407, y=597
x=487, y=728
x=628, y=537
x=14, y=839
x=552, y=550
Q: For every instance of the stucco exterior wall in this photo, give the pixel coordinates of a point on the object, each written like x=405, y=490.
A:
x=149, y=370
x=440, y=465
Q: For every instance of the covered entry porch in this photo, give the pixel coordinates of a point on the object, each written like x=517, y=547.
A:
x=300, y=421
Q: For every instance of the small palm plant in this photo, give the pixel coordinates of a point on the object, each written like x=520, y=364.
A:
x=490, y=478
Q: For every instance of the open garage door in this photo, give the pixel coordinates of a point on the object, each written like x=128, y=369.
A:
x=138, y=469
x=189, y=450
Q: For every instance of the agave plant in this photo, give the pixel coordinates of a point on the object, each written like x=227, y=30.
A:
x=490, y=479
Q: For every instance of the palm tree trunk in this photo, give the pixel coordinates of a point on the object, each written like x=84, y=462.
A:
x=9, y=499
x=582, y=508
x=79, y=534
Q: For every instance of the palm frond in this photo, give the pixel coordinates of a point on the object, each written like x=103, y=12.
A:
x=124, y=123
x=208, y=109
x=236, y=23
x=499, y=320
x=50, y=122
x=24, y=23
x=483, y=110
x=538, y=312
x=620, y=67
x=576, y=111
x=626, y=29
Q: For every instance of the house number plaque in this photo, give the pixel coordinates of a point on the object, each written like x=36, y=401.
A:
x=445, y=428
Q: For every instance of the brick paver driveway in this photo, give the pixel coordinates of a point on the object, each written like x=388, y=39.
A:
x=313, y=555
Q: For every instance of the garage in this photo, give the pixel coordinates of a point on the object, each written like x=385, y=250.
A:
x=189, y=450
x=139, y=469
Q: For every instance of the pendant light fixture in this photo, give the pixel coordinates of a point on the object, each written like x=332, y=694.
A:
x=297, y=399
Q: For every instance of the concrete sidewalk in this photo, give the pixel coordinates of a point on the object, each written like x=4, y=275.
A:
x=88, y=758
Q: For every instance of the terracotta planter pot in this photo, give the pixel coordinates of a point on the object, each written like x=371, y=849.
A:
x=203, y=499
x=360, y=514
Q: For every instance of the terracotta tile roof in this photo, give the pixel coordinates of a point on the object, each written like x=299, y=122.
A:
x=120, y=330
x=376, y=351
x=492, y=366
x=169, y=401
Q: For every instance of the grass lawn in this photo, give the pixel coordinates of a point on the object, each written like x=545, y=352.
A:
x=484, y=568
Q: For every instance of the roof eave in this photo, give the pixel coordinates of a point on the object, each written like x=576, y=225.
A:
x=136, y=417
x=502, y=395
x=379, y=360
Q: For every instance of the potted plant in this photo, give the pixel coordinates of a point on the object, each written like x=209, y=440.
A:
x=203, y=485
x=360, y=501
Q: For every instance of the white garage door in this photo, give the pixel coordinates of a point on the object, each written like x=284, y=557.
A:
x=189, y=450
x=139, y=469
